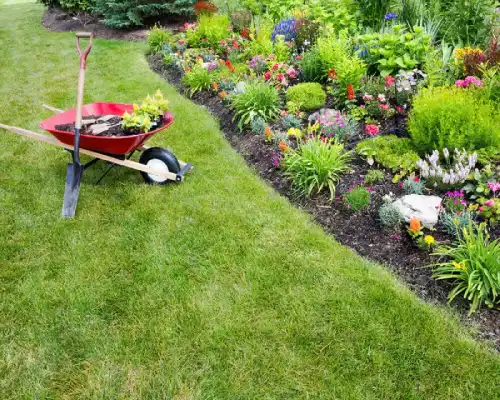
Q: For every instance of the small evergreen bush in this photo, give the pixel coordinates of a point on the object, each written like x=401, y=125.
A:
x=310, y=96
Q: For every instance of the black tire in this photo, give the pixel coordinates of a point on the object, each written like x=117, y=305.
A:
x=163, y=159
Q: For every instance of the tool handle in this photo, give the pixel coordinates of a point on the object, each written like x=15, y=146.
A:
x=83, y=55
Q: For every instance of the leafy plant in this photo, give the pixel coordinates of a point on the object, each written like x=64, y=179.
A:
x=290, y=121
x=258, y=100
x=390, y=216
x=455, y=222
x=281, y=49
x=393, y=50
x=358, y=198
x=334, y=124
x=197, y=79
x=389, y=151
x=413, y=185
x=258, y=125
x=453, y=117
x=310, y=96
x=311, y=67
x=473, y=266
x=306, y=33
x=157, y=38
x=374, y=176
x=210, y=31
x=146, y=115
x=316, y=165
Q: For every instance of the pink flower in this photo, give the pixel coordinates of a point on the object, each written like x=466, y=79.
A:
x=267, y=75
x=229, y=28
x=480, y=209
x=494, y=186
x=383, y=106
x=280, y=77
x=367, y=97
x=381, y=98
x=389, y=81
x=372, y=130
x=399, y=109
x=299, y=58
x=489, y=203
x=291, y=72
x=460, y=83
x=275, y=67
x=396, y=237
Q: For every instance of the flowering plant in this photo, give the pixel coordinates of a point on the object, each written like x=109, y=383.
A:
x=258, y=64
x=280, y=75
x=372, y=130
x=333, y=123
x=470, y=81
x=454, y=171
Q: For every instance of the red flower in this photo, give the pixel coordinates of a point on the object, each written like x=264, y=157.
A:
x=229, y=66
x=399, y=109
x=245, y=33
x=350, y=92
x=275, y=67
x=416, y=179
x=235, y=44
x=267, y=75
x=332, y=73
x=280, y=77
x=389, y=81
x=383, y=106
x=372, y=130
x=298, y=58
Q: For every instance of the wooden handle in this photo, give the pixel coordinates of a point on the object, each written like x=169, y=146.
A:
x=83, y=35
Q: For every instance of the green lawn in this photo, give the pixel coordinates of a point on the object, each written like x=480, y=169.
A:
x=216, y=288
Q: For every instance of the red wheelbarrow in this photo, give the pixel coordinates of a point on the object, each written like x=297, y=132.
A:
x=157, y=165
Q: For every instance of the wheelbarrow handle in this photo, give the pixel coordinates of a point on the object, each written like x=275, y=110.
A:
x=83, y=56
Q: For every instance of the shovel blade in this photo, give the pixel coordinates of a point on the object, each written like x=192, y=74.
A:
x=72, y=190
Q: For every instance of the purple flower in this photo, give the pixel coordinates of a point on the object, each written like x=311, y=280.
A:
x=390, y=16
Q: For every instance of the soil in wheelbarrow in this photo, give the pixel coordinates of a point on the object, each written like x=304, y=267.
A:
x=115, y=127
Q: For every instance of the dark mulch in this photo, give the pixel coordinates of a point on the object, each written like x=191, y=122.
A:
x=58, y=20
x=361, y=231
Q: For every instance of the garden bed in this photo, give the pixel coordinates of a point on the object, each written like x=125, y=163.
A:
x=361, y=231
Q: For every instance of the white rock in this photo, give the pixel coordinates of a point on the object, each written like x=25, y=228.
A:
x=425, y=208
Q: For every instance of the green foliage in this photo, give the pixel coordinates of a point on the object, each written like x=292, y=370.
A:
x=412, y=186
x=310, y=96
x=338, y=14
x=453, y=117
x=389, y=216
x=306, y=33
x=129, y=13
x=311, y=67
x=491, y=82
x=212, y=28
x=157, y=38
x=390, y=151
x=290, y=121
x=281, y=49
x=373, y=12
x=258, y=100
x=70, y=5
x=197, y=79
x=467, y=22
x=395, y=49
x=374, y=176
x=143, y=116
x=262, y=43
x=258, y=125
x=358, y=198
x=316, y=165
x=472, y=266
x=455, y=222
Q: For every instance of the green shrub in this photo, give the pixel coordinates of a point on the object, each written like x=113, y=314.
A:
x=316, y=165
x=390, y=152
x=290, y=121
x=391, y=51
x=473, y=266
x=213, y=28
x=258, y=125
x=311, y=67
x=197, y=79
x=455, y=118
x=128, y=13
x=389, y=215
x=358, y=198
x=455, y=222
x=374, y=176
x=70, y=5
x=310, y=96
x=157, y=38
x=257, y=100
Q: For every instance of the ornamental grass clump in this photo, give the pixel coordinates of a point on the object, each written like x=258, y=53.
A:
x=473, y=267
x=257, y=100
x=315, y=165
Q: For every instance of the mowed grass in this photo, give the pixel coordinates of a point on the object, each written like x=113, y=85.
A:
x=213, y=289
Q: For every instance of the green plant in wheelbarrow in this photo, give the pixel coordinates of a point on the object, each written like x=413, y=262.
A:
x=257, y=100
x=316, y=165
x=473, y=266
x=146, y=116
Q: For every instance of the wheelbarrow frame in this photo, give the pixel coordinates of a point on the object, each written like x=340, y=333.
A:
x=114, y=160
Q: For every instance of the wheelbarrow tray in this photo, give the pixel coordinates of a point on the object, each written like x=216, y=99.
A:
x=116, y=145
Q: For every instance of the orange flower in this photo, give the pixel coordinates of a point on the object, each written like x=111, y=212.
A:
x=415, y=226
x=222, y=95
x=350, y=92
x=188, y=69
x=268, y=131
x=229, y=66
x=332, y=73
x=215, y=86
x=283, y=145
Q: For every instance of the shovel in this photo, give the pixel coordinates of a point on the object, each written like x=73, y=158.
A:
x=75, y=169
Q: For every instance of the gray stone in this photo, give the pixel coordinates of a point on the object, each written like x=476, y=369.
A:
x=425, y=208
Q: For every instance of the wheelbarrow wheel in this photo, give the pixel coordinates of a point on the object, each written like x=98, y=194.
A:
x=161, y=159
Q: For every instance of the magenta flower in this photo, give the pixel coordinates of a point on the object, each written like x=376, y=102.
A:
x=494, y=186
x=489, y=203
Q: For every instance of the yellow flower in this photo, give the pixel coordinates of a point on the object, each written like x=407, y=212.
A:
x=459, y=265
x=429, y=240
x=295, y=132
